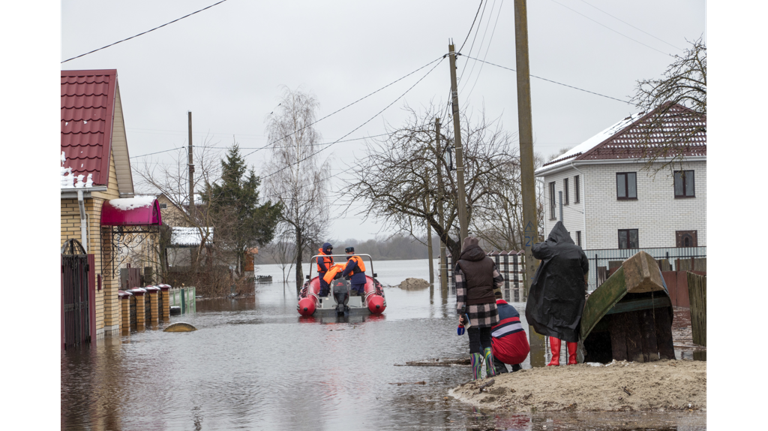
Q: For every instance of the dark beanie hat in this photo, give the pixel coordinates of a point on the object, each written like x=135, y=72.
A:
x=497, y=293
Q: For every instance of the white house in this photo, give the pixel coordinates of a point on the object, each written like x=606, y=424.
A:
x=611, y=202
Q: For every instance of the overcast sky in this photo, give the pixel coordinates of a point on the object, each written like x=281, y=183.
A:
x=228, y=65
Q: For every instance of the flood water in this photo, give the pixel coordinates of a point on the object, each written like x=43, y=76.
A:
x=254, y=363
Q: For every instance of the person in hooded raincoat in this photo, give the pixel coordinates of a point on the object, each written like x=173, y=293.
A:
x=323, y=265
x=477, y=281
x=557, y=295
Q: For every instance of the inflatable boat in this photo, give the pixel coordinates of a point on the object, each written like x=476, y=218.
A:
x=338, y=302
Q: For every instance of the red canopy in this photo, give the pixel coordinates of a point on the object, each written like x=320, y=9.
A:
x=136, y=211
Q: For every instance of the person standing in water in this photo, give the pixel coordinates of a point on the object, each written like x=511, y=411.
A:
x=477, y=279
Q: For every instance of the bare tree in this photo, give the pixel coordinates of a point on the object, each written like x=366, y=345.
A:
x=397, y=180
x=678, y=103
x=171, y=179
x=295, y=177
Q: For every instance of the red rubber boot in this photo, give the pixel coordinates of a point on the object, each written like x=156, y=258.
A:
x=572, y=353
x=554, y=346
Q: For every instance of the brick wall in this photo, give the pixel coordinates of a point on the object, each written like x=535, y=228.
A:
x=656, y=214
x=573, y=217
x=98, y=244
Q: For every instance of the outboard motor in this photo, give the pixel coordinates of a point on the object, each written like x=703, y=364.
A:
x=341, y=294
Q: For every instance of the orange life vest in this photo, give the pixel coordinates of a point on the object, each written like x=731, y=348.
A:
x=328, y=261
x=360, y=265
x=331, y=274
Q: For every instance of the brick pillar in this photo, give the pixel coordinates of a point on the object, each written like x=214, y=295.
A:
x=139, y=298
x=153, y=292
x=165, y=302
x=125, y=312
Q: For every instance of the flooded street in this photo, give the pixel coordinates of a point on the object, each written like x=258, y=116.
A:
x=254, y=364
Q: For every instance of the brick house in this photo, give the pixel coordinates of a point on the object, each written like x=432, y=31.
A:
x=611, y=202
x=96, y=182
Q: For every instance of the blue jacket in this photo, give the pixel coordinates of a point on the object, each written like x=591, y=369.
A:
x=358, y=277
x=320, y=262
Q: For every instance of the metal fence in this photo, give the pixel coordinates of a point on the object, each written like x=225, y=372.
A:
x=183, y=297
x=510, y=266
x=603, y=261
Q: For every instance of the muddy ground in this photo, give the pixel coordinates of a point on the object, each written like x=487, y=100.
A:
x=661, y=386
x=619, y=386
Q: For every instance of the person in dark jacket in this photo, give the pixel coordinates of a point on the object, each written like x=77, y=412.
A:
x=323, y=265
x=476, y=282
x=508, y=338
x=557, y=295
x=355, y=270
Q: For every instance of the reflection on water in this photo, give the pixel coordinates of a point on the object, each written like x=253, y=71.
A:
x=254, y=363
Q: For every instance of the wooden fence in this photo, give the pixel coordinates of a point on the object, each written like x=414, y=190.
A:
x=697, y=294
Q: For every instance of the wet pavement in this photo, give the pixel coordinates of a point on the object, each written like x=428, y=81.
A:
x=254, y=364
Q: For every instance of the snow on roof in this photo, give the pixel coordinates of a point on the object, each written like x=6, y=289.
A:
x=188, y=236
x=591, y=142
x=69, y=180
x=126, y=204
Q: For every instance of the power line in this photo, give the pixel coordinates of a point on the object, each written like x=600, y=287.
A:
x=617, y=32
x=554, y=82
x=158, y=152
x=470, y=27
x=471, y=47
x=487, y=48
x=341, y=109
x=636, y=28
x=480, y=48
x=137, y=35
x=366, y=122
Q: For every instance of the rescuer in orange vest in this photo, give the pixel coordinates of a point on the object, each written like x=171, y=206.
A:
x=355, y=270
x=323, y=265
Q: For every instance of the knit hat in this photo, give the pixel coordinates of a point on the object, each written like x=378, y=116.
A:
x=497, y=294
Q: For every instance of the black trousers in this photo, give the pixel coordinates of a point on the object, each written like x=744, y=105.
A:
x=324, y=287
x=479, y=339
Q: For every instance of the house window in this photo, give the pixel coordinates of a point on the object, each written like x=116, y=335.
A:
x=565, y=191
x=686, y=238
x=628, y=238
x=684, y=184
x=626, y=185
x=552, y=200
x=163, y=206
x=576, y=189
x=578, y=238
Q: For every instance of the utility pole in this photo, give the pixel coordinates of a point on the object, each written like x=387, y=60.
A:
x=525, y=126
x=429, y=241
x=440, y=216
x=463, y=228
x=191, y=163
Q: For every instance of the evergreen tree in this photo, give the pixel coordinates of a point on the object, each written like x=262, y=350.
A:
x=241, y=223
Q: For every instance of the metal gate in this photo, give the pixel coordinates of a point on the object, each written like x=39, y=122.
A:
x=76, y=311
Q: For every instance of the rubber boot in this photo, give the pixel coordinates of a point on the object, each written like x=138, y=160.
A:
x=476, y=359
x=572, y=353
x=554, y=346
x=490, y=370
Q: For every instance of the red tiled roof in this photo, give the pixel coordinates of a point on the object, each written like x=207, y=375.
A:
x=87, y=106
x=640, y=135
x=658, y=127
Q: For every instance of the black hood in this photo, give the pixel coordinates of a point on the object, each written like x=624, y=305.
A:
x=559, y=235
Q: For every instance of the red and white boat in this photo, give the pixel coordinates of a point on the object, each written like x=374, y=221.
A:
x=338, y=301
